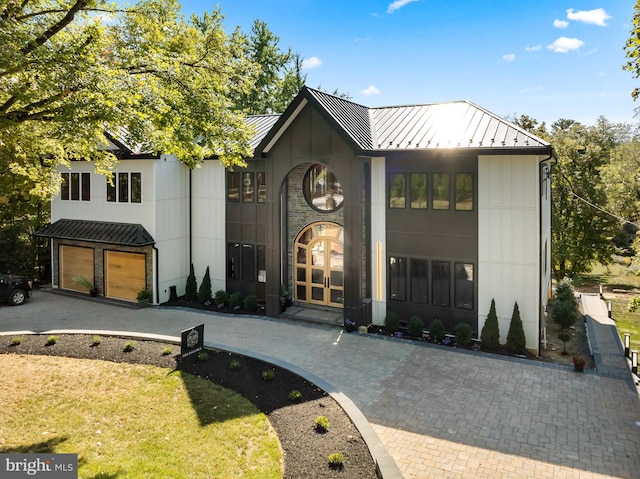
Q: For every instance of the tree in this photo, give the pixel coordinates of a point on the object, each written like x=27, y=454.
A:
x=565, y=305
x=204, y=293
x=490, y=334
x=516, y=340
x=191, y=289
x=632, y=49
x=71, y=70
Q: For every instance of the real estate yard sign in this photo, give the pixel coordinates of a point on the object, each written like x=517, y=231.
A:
x=192, y=340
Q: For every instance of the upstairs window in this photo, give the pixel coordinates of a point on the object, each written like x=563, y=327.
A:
x=440, y=185
x=125, y=188
x=464, y=192
x=397, y=190
x=322, y=189
x=76, y=187
x=418, y=190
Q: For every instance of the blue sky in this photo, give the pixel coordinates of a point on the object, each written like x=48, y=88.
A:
x=548, y=59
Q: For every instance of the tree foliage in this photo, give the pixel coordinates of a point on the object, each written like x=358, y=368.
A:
x=490, y=333
x=632, y=49
x=204, y=292
x=72, y=69
x=191, y=288
x=516, y=340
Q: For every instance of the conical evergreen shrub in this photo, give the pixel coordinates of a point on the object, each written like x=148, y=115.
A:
x=516, y=341
x=490, y=334
x=204, y=293
x=191, y=290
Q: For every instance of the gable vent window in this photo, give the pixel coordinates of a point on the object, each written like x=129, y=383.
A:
x=125, y=188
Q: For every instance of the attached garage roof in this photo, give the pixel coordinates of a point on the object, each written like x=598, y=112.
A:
x=125, y=234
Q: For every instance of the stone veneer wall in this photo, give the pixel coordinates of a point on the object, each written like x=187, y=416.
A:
x=300, y=214
x=98, y=255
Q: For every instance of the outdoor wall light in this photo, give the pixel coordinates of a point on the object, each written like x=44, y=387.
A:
x=609, y=308
x=627, y=341
x=634, y=361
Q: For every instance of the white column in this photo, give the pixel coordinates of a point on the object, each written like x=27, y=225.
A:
x=378, y=241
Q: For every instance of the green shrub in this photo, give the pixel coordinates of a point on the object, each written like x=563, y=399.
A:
x=392, y=322
x=436, y=330
x=129, y=346
x=634, y=304
x=490, y=334
x=16, y=341
x=415, y=327
x=322, y=424
x=51, y=340
x=167, y=351
x=336, y=460
x=295, y=395
x=96, y=340
x=221, y=297
x=191, y=290
x=143, y=294
x=463, y=334
x=516, y=341
x=250, y=303
x=234, y=365
x=204, y=293
x=566, y=292
x=203, y=356
x=268, y=374
x=235, y=300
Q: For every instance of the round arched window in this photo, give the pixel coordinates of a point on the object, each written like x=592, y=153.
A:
x=322, y=190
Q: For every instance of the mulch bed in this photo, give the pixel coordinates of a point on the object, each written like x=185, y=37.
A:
x=305, y=450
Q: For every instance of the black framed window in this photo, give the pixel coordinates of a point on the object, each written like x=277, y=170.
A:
x=233, y=260
x=397, y=190
x=86, y=186
x=441, y=280
x=233, y=186
x=64, y=186
x=248, y=262
x=440, y=188
x=419, y=191
x=136, y=187
x=123, y=187
x=419, y=280
x=322, y=189
x=75, y=186
x=464, y=285
x=248, y=188
x=261, y=184
x=397, y=278
x=464, y=192
x=261, y=260
x=111, y=190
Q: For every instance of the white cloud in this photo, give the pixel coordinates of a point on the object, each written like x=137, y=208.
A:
x=311, y=62
x=509, y=57
x=371, y=90
x=535, y=48
x=596, y=17
x=398, y=4
x=560, y=23
x=564, y=45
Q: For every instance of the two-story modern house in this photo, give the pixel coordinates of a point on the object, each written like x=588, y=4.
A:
x=427, y=210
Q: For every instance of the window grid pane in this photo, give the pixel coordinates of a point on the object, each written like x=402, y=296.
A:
x=75, y=186
x=397, y=190
x=86, y=186
x=64, y=186
x=440, y=283
x=419, y=190
x=233, y=260
x=262, y=187
x=464, y=286
x=248, y=262
x=464, y=192
x=419, y=281
x=248, y=188
x=233, y=186
x=397, y=278
x=440, y=191
x=136, y=187
x=123, y=187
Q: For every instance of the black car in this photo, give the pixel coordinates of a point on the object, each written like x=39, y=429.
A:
x=15, y=289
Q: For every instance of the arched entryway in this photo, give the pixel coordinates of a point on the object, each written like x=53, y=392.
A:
x=319, y=264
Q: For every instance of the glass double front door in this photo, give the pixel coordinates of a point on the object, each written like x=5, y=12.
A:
x=319, y=259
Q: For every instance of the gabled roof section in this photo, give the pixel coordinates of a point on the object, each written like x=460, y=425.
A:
x=262, y=125
x=124, y=234
x=458, y=125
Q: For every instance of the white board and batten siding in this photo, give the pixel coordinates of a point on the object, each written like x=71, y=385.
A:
x=509, y=241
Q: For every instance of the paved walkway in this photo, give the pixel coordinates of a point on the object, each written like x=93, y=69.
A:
x=439, y=412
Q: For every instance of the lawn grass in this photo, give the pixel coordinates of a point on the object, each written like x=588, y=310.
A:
x=132, y=421
x=626, y=322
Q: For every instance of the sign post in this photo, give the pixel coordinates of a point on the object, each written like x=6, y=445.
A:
x=192, y=340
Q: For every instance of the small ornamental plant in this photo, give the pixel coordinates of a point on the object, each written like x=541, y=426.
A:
x=336, y=460
x=490, y=333
x=51, y=340
x=463, y=334
x=95, y=340
x=221, y=297
x=16, y=341
x=415, y=327
x=268, y=374
x=437, y=331
x=295, y=395
x=578, y=363
x=234, y=365
x=391, y=322
x=203, y=356
x=129, y=346
x=321, y=424
x=167, y=351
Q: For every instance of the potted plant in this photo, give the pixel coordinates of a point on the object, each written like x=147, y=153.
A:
x=81, y=280
x=578, y=364
x=285, y=300
x=143, y=298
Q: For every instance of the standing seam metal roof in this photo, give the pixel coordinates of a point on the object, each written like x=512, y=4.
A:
x=98, y=231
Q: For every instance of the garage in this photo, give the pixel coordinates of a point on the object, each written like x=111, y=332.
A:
x=124, y=274
x=76, y=262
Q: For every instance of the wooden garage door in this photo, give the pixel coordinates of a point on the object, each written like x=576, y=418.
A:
x=124, y=274
x=75, y=261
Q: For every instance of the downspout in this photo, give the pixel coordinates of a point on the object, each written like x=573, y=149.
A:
x=190, y=221
x=157, y=268
x=541, y=168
